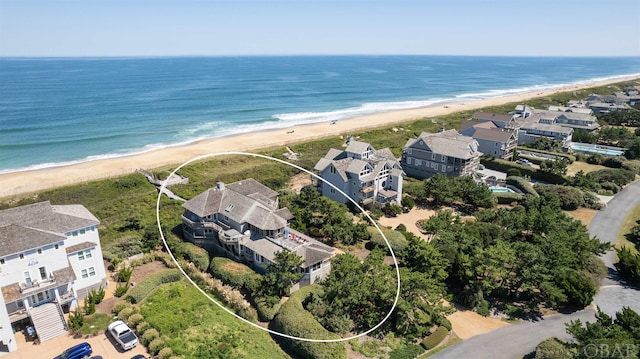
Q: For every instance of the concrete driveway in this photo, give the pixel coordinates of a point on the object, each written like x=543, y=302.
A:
x=101, y=345
x=520, y=339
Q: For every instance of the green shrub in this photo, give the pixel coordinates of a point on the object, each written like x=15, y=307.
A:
x=396, y=239
x=633, y=166
x=570, y=198
x=443, y=321
x=165, y=353
x=552, y=348
x=125, y=313
x=142, y=327
x=507, y=197
x=124, y=275
x=591, y=200
x=149, y=336
x=142, y=289
x=408, y=203
x=505, y=166
x=618, y=176
x=294, y=320
x=196, y=255
x=610, y=186
x=120, y=306
x=134, y=319
x=595, y=159
x=266, y=312
x=233, y=273
x=514, y=172
x=522, y=184
x=435, y=338
x=613, y=162
x=156, y=345
x=409, y=351
x=121, y=289
x=76, y=319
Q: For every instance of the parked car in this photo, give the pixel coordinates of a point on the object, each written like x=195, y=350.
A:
x=82, y=350
x=481, y=167
x=123, y=335
x=522, y=161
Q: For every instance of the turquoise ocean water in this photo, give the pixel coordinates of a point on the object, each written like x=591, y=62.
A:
x=56, y=111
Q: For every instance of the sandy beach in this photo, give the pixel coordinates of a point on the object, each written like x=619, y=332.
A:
x=31, y=181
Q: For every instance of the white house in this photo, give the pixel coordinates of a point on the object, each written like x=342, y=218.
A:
x=50, y=256
x=365, y=174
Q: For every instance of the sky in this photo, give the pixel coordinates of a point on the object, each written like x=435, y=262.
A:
x=311, y=27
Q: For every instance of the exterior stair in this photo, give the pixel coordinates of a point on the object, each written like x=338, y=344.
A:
x=48, y=321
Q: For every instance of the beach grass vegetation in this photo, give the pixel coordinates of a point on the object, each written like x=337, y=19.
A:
x=193, y=327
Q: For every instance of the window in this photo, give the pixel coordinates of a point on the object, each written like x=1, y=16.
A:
x=56, y=246
x=259, y=258
x=86, y=254
x=443, y=158
x=408, y=160
x=332, y=169
x=433, y=156
x=82, y=231
x=444, y=168
x=39, y=250
x=20, y=303
x=418, y=162
x=21, y=255
x=89, y=272
x=409, y=150
x=27, y=279
x=1, y=260
x=43, y=273
x=332, y=190
x=315, y=267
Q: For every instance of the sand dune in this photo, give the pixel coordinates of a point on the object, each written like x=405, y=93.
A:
x=30, y=181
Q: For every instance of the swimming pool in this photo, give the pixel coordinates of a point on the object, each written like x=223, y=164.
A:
x=502, y=190
x=603, y=150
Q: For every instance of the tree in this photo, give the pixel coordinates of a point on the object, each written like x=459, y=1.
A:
x=283, y=272
x=633, y=149
x=558, y=166
x=619, y=338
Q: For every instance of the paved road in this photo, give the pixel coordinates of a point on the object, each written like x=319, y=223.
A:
x=517, y=340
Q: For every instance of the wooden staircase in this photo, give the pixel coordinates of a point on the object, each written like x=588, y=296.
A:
x=48, y=321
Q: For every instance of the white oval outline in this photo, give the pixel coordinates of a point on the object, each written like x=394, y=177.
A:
x=216, y=154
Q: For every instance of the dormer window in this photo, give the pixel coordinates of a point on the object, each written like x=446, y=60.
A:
x=332, y=169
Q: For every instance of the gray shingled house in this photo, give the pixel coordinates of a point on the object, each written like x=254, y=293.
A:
x=491, y=139
x=242, y=221
x=446, y=152
x=367, y=175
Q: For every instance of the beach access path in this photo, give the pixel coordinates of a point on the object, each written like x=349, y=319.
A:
x=517, y=340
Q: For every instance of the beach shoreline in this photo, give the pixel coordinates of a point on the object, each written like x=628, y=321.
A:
x=27, y=181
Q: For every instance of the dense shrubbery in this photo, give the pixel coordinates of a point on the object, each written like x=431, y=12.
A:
x=445, y=190
x=319, y=216
x=522, y=184
x=196, y=255
x=142, y=289
x=570, y=198
x=293, y=319
x=507, y=197
x=409, y=351
x=526, y=171
x=396, y=239
x=435, y=338
x=240, y=276
x=618, y=176
x=490, y=259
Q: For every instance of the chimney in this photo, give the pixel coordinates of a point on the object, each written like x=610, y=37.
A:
x=220, y=186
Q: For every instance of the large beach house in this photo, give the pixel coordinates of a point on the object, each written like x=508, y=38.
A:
x=446, y=152
x=50, y=256
x=367, y=175
x=492, y=140
x=242, y=221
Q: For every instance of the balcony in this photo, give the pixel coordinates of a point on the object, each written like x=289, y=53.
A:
x=38, y=286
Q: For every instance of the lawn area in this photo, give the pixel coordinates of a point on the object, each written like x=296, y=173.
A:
x=95, y=323
x=583, y=166
x=628, y=222
x=194, y=327
x=584, y=215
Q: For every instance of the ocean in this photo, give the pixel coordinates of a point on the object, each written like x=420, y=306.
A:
x=56, y=111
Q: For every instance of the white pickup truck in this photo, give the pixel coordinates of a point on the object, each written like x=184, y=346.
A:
x=123, y=335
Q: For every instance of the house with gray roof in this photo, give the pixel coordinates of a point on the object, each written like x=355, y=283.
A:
x=543, y=124
x=242, y=221
x=366, y=175
x=50, y=257
x=504, y=121
x=446, y=152
x=570, y=117
x=492, y=140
